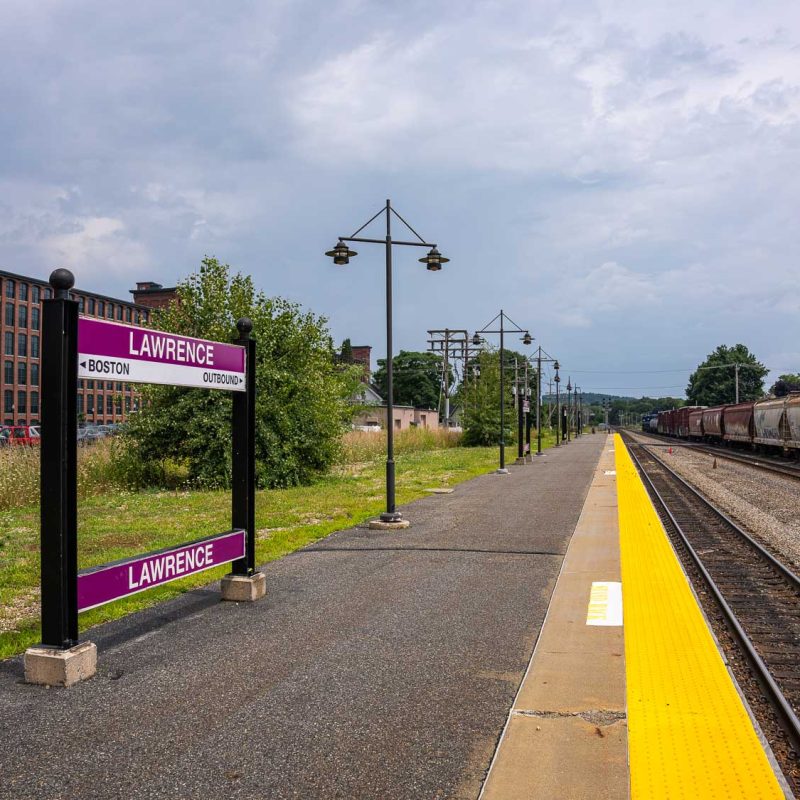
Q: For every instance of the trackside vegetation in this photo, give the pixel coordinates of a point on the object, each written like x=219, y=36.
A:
x=302, y=404
x=117, y=523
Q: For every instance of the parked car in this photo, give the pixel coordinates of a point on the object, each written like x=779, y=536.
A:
x=369, y=427
x=21, y=435
x=90, y=434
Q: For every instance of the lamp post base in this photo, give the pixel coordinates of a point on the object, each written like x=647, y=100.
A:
x=389, y=522
x=501, y=471
x=521, y=460
x=51, y=666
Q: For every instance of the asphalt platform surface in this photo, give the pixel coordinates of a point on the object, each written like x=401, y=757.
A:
x=380, y=664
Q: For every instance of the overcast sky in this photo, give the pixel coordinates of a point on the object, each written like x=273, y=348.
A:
x=622, y=180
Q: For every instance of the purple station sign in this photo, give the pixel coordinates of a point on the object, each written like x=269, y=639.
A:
x=122, y=578
x=113, y=351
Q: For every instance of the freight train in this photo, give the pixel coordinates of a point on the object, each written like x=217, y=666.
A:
x=772, y=424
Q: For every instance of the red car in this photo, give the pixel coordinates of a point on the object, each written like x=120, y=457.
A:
x=12, y=435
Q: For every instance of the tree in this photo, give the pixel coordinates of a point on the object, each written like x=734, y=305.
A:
x=416, y=377
x=346, y=356
x=785, y=384
x=479, y=396
x=301, y=405
x=714, y=381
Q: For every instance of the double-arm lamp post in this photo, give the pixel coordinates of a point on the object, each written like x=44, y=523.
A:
x=526, y=338
x=541, y=356
x=559, y=426
x=341, y=255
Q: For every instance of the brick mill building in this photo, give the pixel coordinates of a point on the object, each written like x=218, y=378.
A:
x=99, y=402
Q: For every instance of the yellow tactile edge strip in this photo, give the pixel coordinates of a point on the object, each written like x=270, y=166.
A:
x=689, y=735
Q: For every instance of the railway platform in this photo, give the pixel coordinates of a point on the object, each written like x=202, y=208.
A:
x=383, y=665
x=627, y=693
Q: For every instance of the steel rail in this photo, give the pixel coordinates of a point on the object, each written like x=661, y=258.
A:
x=767, y=465
x=786, y=713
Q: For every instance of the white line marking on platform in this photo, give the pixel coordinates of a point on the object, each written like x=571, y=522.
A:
x=609, y=472
x=605, y=604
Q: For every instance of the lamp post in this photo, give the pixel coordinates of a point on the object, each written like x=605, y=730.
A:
x=578, y=412
x=557, y=380
x=520, y=395
x=569, y=407
x=526, y=339
x=341, y=255
x=541, y=356
x=527, y=409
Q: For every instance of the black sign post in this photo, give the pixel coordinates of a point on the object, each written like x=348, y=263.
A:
x=59, y=465
x=243, y=483
x=60, y=659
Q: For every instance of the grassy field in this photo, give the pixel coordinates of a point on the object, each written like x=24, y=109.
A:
x=116, y=524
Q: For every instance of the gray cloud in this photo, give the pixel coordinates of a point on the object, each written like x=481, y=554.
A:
x=620, y=177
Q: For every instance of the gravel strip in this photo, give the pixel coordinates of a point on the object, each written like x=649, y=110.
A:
x=766, y=506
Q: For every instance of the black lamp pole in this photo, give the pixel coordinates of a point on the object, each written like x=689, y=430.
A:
x=341, y=255
x=569, y=407
x=526, y=339
x=527, y=412
x=520, y=416
x=557, y=380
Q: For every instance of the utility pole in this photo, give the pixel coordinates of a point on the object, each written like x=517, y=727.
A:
x=736, y=370
x=446, y=378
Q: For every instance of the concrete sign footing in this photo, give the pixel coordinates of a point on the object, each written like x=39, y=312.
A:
x=521, y=461
x=502, y=471
x=379, y=525
x=244, y=588
x=51, y=666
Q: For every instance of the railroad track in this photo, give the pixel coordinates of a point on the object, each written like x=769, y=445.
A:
x=766, y=464
x=759, y=597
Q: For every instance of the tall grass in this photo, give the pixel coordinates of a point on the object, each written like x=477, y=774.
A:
x=19, y=473
x=361, y=446
x=100, y=471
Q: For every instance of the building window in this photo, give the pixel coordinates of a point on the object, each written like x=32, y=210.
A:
x=10, y=289
x=35, y=318
x=34, y=402
x=118, y=404
x=22, y=401
x=34, y=346
x=36, y=293
x=80, y=404
x=22, y=373
x=8, y=373
x=81, y=304
x=92, y=305
x=22, y=344
x=22, y=316
x=34, y=374
x=101, y=308
x=110, y=385
x=119, y=313
x=109, y=404
x=111, y=311
x=119, y=387
x=8, y=348
x=48, y=293
x=10, y=315
x=90, y=384
x=8, y=401
x=128, y=404
x=23, y=291
x=90, y=404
